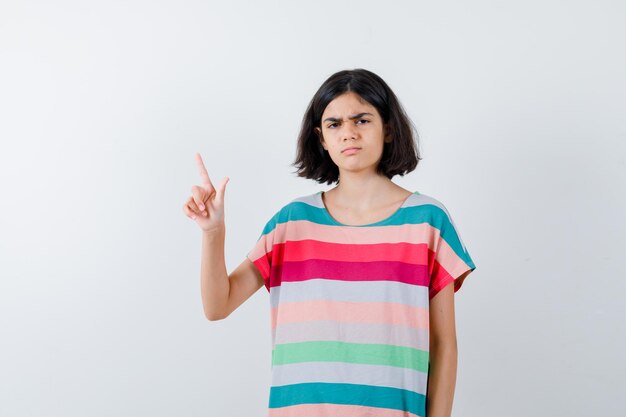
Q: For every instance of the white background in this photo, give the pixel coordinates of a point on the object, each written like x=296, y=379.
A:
x=520, y=109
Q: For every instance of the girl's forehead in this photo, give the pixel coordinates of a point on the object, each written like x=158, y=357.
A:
x=348, y=103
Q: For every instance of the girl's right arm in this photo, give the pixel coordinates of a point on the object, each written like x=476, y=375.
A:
x=221, y=293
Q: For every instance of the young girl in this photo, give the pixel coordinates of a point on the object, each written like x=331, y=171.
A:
x=358, y=276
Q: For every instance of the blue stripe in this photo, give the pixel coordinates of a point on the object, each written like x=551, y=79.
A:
x=348, y=394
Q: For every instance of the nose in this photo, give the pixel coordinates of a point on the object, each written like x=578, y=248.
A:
x=349, y=131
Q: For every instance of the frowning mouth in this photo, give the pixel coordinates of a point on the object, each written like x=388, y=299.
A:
x=351, y=149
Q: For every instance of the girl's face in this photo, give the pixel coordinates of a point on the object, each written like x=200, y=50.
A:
x=349, y=121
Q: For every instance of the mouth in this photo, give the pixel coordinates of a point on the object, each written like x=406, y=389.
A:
x=354, y=148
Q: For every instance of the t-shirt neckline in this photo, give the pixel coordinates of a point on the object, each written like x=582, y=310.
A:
x=378, y=223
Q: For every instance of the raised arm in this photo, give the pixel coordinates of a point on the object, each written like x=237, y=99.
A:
x=221, y=293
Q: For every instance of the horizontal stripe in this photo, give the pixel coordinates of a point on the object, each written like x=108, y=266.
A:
x=362, y=395
x=334, y=410
x=364, y=353
x=380, y=333
x=305, y=229
x=409, y=249
x=351, y=373
x=419, y=209
x=337, y=290
x=351, y=312
x=435, y=272
x=303, y=240
x=350, y=271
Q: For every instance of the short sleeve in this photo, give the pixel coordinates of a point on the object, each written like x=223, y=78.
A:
x=452, y=259
x=261, y=253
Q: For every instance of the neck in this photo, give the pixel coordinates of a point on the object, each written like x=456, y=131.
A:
x=361, y=192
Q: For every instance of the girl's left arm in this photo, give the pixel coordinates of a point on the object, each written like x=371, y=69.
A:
x=443, y=353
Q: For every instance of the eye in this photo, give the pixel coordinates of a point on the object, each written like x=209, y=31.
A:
x=330, y=126
x=363, y=120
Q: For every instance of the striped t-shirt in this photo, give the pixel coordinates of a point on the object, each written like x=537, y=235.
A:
x=350, y=306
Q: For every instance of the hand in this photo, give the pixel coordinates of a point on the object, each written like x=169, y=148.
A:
x=206, y=204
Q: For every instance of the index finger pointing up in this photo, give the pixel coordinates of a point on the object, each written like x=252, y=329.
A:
x=203, y=172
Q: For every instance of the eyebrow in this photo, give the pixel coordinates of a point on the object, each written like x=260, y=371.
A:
x=356, y=116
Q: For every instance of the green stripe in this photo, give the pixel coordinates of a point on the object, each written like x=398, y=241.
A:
x=365, y=353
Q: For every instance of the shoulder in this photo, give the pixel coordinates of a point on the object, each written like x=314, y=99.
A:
x=296, y=208
x=302, y=203
x=312, y=199
x=442, y=220
x=432, y=205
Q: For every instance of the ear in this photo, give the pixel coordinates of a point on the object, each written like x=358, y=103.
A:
x=386, y=134
x=318, y=131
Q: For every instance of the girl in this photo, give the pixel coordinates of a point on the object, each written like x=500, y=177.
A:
x=359, y=276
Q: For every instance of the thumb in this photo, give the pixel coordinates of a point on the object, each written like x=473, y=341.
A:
x=221, y=191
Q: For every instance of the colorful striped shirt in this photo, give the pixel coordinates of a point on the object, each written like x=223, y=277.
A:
x=350, y=306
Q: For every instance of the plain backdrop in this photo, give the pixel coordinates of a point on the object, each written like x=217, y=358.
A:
x=520, y=111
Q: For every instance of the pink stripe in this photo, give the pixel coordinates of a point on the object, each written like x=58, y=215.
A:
x=410, y=233
x=355, y=312
x=296, y=230
x=352, y=271
x=334, y=410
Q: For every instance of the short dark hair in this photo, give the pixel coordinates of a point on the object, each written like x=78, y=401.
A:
x=400, y=156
